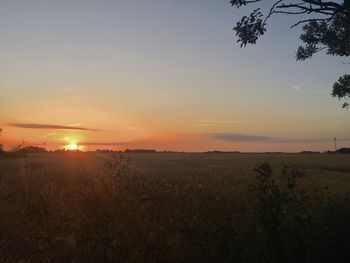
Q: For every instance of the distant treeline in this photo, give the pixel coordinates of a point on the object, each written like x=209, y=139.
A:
x=34, y=149
x=222, y=152
x=22, y=152
x=129, y=151
x=341, y=150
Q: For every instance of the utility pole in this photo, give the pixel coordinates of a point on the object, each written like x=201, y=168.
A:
x=335, y=144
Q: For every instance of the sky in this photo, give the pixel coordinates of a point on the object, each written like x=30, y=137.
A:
x=160, y=74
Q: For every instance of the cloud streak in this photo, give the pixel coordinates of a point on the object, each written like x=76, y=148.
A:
x=213, y=122
x=104, y=143
x=235, y=137
x=298, y=88
x=49, y=127
x=329, y=139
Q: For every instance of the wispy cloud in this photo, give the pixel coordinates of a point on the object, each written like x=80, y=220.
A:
x=259, y=138
x=50, y=127
x=103, y=143
x=298, y=88
x=114, y=143
x=236, y=137
x=308, y=140
x=214, y=122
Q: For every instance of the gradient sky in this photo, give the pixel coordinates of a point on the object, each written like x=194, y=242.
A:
x=160, y=74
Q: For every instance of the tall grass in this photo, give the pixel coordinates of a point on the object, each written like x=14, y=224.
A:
x=119, y=214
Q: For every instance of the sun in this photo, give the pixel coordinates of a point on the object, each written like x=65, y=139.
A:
x=72, y=147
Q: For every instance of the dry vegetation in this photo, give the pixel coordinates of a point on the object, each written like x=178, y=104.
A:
x=78, y=207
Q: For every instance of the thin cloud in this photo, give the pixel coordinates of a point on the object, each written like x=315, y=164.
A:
x=258, y=138
x=103, y=143
x=235, y=137
x=111, y=144
x=213, y=122
x=298, y=88
x=49, y=127
x=327, y=139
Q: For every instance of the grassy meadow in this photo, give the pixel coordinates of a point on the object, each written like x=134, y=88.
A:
x=175, y=207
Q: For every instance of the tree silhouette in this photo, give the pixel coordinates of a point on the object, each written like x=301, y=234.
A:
x=326, y=27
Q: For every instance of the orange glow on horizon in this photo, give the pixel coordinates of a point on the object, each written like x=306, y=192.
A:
x=72, y=147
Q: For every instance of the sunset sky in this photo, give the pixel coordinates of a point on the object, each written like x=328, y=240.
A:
x=160, y=74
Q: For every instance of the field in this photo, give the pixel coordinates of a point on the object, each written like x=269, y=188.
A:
x=175, y=207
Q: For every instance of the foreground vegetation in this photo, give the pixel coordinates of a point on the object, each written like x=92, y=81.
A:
x=76, y=207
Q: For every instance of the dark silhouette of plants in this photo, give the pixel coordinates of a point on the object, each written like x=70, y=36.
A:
x=55, y=213
x=281, y=212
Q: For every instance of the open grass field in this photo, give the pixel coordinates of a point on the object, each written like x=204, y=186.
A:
x=175, y=207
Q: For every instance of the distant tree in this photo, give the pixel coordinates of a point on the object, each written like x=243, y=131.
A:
x=326, y=26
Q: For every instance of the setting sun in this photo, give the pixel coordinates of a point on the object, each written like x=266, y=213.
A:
x=72, y=147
